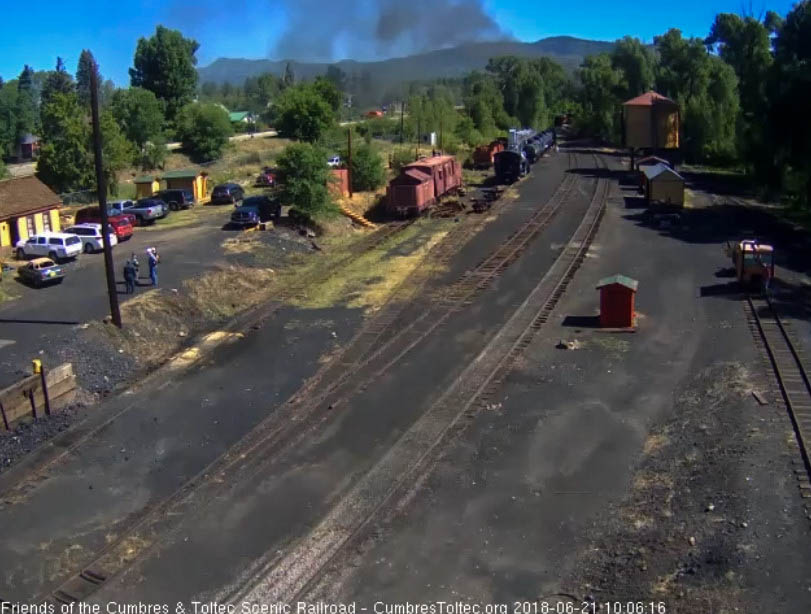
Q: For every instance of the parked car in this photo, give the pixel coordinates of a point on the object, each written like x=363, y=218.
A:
x=145, y=211
x=267, y=177
x=176, y=199
x=334, y=161
x=115, y=208
x=90, y=236
x=122, y=224
x=55, y=245
x=227, y=193
x=41, y=271
x=254, y=210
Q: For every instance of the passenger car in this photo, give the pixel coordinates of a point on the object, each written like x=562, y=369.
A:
x=55, y=245
x=41, y=271
x=227, y=193
x=176, y=199
x=267, y=177
x=122, y=224
x=90, y=236
x=334, y=161
x=254, y=210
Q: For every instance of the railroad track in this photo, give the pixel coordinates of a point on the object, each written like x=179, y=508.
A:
x=288, y=576
x=789, y=368
x=280, y=431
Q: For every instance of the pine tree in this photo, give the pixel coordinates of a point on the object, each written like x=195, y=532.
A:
x=87, y=65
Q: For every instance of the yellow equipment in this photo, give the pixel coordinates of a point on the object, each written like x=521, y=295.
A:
x=753, y=261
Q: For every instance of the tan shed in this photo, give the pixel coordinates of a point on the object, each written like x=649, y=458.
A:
x=194, y=181
x=664, y=185
x=652, y=121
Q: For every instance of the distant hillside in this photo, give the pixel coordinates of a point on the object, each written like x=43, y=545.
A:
x=451, y=62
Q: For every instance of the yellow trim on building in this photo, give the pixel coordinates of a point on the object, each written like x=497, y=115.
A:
x=5, y=234
x=56, y=224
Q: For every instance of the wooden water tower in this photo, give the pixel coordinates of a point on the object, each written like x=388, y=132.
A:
x=651, y=122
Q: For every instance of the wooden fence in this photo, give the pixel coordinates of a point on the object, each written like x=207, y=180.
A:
x=28, y=399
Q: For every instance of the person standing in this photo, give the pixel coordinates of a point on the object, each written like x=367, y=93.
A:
x=129, y=277
x=153, y=266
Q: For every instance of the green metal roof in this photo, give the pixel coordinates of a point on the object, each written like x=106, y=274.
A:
x=146, y=179
x=181, y=174
x=618, y=279
x=237, y=116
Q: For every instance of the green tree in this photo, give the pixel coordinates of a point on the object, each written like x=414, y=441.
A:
x=327, y=90
x=85, y=68
x=139, y=114
x=117, y=151
x=203, y=128
x=57, y=81
x=683, y=66
x=637, y=64
x=165, y=65
x=484, y=103
x=304, y=174
x=153, y=154
x=65, y=163
x=302, y=113
x=26, y=109
x=791, y=93
x=8, y=117
x=600, y=81
x=367, y=170
x=289, y=78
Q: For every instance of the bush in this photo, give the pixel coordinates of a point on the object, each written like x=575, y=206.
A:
x=153, y=154
x=304, y=175
x=368, y=171
x=204, y=130
x=302, y=113
x=400, y=157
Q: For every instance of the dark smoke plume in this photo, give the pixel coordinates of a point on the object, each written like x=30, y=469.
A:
x=336, y=29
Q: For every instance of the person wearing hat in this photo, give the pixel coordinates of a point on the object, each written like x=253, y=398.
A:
x=153, y=265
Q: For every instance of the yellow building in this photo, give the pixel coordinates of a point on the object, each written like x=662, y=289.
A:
x=664, y=185
x=146, y=185
x=194, y=181
x=27, y=206
x=652, y=121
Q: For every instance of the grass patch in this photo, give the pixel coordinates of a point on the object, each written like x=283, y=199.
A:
x=187, y=217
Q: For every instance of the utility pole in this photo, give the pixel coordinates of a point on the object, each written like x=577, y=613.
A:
x=417, y=152
x=101, y=184
x=440, y=132
x=349, y=162
x=402, y=108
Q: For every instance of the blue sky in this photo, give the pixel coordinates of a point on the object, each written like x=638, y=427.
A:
x=249, y=28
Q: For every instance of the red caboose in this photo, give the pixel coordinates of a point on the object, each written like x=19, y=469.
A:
x=421, y=183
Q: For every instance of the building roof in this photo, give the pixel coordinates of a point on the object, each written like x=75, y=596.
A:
x=24, y=195
x=651, y=160
x=29, y=139
x=622, y=280
x=432, y=161
x=188, y=173
x=238, y=116
x=648, y=99
x=661, y=170
x=146, y=179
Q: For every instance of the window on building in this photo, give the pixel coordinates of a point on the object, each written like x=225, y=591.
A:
x=29, y=222
x=46, y=221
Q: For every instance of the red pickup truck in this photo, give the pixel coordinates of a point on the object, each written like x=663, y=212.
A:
x=122, y=225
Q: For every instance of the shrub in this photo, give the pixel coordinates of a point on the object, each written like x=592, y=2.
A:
x=204, y=130
x=400, y=157
x=304, y=175
x=367, y=171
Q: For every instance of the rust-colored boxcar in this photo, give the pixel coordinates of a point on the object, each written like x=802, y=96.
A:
x=421, y=183
x=483, y=155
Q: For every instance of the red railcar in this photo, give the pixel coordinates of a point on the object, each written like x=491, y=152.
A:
x=483, y=155
x=421, y=183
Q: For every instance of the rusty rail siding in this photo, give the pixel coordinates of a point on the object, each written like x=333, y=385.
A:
x=277, y=433
x=286, y=576
x=789, y=368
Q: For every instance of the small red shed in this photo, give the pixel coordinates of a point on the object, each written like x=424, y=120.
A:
x=617, y=301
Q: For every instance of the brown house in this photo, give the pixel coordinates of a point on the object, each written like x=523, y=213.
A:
x=27, y=206
x=652, y=122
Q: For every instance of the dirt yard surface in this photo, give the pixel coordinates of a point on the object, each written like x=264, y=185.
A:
x=635, y=466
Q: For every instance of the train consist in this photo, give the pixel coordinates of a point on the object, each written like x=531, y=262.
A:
x=525, y=147
x=422, y=183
